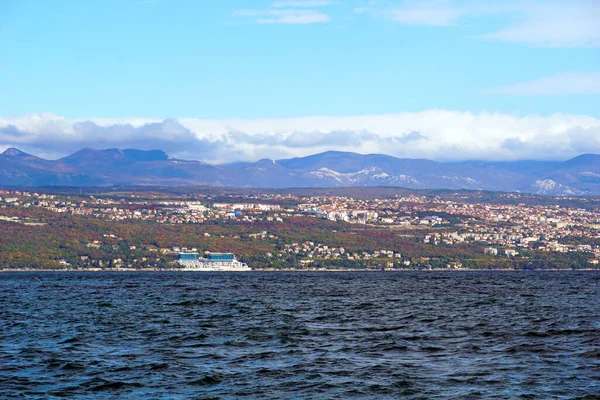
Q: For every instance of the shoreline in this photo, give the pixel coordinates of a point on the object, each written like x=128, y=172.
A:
x=94, y=270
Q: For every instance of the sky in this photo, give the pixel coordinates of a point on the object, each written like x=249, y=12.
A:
x=224, y=81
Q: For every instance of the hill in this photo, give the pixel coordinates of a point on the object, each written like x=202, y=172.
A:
x=89, y=167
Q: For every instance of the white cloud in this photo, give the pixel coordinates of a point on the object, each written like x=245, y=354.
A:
x=301, y=3
x=443, y=135
x=433, y=13
x=288, y=12
x=558, y=24
x=277, y=16
x=559, y=84
x=554, y=23
x=429, y=12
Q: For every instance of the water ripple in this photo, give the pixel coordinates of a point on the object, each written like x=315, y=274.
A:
x=300, y=335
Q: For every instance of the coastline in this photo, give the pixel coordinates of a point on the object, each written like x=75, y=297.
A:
x=95, y=270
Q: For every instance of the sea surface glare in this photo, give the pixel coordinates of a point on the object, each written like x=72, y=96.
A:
x=296, y=335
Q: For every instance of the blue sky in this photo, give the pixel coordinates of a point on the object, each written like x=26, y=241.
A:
x=142, y=61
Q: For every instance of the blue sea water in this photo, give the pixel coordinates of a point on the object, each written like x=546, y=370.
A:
x=273, y=335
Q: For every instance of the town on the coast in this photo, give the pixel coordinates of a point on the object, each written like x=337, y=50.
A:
x=297, y=230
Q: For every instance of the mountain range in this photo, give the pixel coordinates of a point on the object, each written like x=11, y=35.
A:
x=90, y=167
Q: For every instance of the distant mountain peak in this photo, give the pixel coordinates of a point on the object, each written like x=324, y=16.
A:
x=89, y=156
x=14, y=152
x=266, y=161
x=85, y=151
x=584, y=159
x=88, y=166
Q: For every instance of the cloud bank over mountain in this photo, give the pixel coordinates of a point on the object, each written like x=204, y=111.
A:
x=443, y=135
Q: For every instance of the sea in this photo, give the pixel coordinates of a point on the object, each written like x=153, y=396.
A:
x=300, y=335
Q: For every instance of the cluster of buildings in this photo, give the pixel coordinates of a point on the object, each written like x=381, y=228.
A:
x=309, y=251
x=160, y=211
x=502, y=228
x=505, y=229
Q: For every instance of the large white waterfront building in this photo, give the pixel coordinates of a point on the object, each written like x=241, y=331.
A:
x=214, y=262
